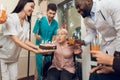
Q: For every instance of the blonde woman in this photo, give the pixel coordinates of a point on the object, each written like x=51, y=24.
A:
x=62, y=67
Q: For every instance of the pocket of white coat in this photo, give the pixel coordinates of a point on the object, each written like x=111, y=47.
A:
x=4, y=53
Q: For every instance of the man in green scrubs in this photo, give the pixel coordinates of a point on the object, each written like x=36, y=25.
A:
x=45, y=30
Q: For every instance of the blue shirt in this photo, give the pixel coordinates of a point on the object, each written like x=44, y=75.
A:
x=44, y=29
x=93, y=10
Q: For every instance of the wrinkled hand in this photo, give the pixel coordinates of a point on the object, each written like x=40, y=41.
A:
x=102, y=69
x=73, y=41
x=102, y=58
x=77, y=49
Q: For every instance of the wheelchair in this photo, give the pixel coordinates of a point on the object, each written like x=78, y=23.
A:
x=78, y=69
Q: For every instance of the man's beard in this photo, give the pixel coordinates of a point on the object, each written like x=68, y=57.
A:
x=86, y=12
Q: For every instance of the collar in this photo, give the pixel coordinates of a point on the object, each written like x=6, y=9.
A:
x=48, y=21
x=93, y=10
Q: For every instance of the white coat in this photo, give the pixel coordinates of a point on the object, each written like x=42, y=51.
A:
x=10, y=51
x=107, y=23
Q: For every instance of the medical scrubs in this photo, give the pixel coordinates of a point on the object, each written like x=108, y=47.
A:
x=45, y=30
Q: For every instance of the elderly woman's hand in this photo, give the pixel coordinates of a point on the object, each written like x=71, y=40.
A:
x=77, y=49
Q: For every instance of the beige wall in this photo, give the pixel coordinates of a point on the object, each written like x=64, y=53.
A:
x=74, y=20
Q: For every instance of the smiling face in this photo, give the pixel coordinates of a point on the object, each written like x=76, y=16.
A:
x=83, y=7
x=50, y=14
x=62, y=35
x=28, y=8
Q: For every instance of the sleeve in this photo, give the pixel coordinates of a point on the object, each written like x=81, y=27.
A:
x=36, y=26
x=91, y=33
x=115, y=15
x=55, y=30
x=9, y=27
x=116, y=64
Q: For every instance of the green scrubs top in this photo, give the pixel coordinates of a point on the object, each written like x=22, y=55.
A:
x=44, y=29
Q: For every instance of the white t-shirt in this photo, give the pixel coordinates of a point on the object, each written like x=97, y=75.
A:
x=10, y=51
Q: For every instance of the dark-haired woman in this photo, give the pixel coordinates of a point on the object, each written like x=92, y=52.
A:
x=15, y=35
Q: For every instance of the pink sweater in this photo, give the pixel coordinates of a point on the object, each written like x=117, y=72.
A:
x=63, y=58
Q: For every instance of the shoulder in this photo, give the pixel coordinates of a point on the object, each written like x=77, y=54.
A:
x=109, y=7
x=12, y=18
x=41, y=19
x=108, y=4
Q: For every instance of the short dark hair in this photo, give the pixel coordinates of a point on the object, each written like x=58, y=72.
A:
x=52, y=6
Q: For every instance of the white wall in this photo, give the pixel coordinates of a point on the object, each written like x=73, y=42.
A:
x=86, y=66
x=86, y=61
